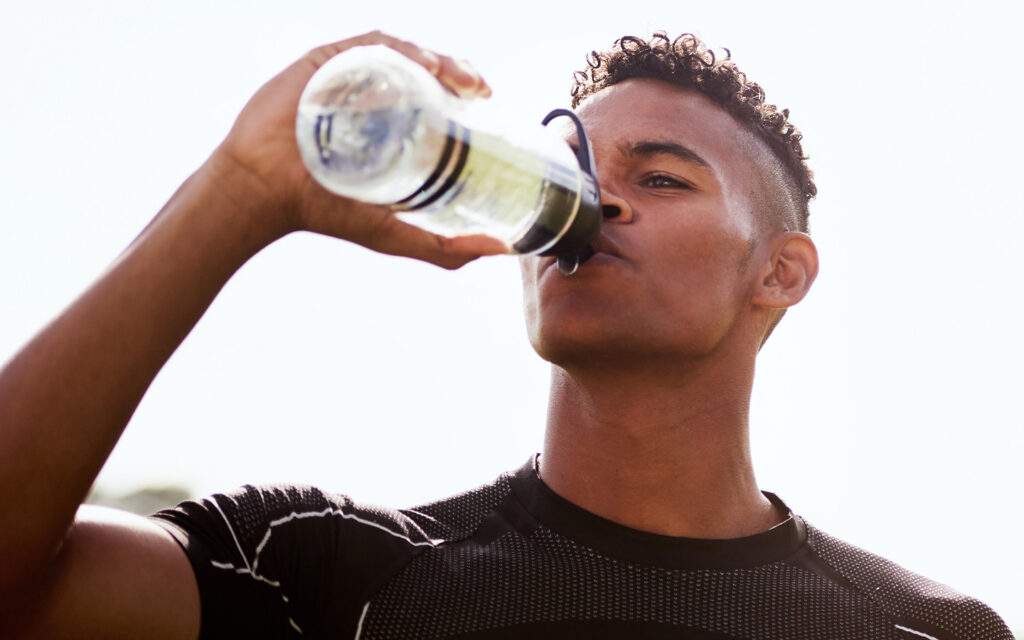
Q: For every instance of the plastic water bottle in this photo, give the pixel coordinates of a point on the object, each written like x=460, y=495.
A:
x=375, y=126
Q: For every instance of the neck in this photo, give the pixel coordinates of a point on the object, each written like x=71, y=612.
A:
x=665, y=451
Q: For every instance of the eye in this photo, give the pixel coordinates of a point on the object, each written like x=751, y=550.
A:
x=663, y=181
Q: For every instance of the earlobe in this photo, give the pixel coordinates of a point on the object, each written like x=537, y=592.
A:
x=790, y=273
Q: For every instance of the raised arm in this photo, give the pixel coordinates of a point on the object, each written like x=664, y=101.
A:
x=68, y=394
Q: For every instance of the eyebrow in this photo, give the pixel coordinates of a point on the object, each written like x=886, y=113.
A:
x=658, y=147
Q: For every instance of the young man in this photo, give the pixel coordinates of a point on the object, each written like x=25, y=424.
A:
x=640, y=518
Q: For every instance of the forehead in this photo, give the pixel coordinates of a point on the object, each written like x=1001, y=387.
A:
x=645, y=109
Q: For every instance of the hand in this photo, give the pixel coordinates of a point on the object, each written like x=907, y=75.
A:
x=259, y=165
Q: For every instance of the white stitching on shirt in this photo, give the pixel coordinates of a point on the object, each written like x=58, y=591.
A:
x=916, y=633
x=296, y=515
x=250, y=570
x=232, y=530
x=359, y=627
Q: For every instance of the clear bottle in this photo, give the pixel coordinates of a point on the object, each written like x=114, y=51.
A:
x=375, y=126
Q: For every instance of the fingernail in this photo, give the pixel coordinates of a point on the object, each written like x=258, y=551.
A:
x=433, y=61
x=472, y=78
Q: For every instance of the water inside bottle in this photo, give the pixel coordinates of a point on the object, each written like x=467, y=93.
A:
x=374, y=126
x=502, y=190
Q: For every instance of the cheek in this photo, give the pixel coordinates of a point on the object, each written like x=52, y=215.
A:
x=700, y=267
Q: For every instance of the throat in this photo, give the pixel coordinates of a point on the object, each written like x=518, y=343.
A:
x=666, y=465
x=665, y=502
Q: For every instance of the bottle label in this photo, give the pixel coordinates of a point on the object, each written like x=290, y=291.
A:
x=450, y=165
x=497, y=187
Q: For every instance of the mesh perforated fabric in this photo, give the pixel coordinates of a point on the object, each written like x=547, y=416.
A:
x=459, y=516
x=512, y=559
x=523, y=576
x=907, y=596
x=546, y=578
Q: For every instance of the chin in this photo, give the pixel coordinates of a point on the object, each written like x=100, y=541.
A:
x=563, y=352
x=578, y=343
x=574, y=341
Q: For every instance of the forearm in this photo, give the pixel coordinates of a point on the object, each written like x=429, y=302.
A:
x=67, y=396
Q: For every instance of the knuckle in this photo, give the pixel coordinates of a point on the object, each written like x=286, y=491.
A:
x=379, y=37
x=451, y=264
x=319, y=55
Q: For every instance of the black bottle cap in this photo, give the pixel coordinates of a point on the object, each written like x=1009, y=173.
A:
x=585, y=226
x=574, y=247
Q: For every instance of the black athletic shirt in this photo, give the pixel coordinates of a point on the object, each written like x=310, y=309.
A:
x=512, y=559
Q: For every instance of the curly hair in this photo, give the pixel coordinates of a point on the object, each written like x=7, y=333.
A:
x=687, y=62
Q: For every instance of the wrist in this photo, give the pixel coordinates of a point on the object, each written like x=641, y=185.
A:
x=217, y=220
x=246, y=203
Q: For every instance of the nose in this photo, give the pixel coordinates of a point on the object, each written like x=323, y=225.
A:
x=614, y=209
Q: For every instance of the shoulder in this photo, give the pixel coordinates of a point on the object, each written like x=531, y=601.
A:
x=243, y=522
x=252, y=515
x=457, y=517
x=923, y=607
x=295, y=557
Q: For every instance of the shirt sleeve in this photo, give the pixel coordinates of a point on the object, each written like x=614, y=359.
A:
x=288, y=561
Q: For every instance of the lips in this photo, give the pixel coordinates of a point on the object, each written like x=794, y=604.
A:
x=602, y=250
x=604, y=244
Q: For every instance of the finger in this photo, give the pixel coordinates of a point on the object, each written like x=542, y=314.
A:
x=458, y=75
x=462, y=78
x=477, y=245
x=449, y=253
x=376, y=227
x=428, y=59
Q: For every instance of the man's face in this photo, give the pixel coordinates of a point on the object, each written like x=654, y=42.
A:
x=674, y=270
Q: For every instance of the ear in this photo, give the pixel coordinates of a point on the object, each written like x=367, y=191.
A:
x=788, y=276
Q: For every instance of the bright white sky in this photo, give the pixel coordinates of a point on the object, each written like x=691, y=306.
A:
x=886, y=408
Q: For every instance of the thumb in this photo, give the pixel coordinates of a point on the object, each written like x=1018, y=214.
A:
x=478, y=245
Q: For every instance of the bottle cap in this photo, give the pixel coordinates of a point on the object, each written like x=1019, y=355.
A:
x=585, y=226
x=573, y=247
